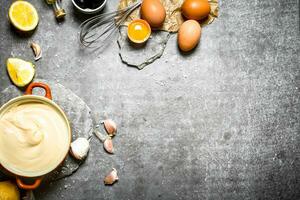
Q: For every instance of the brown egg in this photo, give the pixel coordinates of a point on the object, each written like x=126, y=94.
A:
x=153, y=12
x=189, y=35
x=195, y=9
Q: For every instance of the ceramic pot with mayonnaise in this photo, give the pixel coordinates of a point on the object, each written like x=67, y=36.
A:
x=35, y=136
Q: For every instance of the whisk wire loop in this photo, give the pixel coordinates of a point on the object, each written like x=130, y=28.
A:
x=97, y=31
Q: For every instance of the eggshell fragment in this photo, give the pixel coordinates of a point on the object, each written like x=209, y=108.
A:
x=189, y=35
x=153, y=12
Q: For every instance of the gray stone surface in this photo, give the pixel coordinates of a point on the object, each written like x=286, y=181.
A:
x=222, y=122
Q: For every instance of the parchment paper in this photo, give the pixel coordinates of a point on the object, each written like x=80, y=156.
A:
x=173, y=14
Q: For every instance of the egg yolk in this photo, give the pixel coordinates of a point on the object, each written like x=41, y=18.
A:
x=138, y=31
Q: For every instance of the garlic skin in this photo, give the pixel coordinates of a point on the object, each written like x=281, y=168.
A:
x=108, y=146
x=101, y=136
x=110, y=127
x=112, y=177
x=36, y=50
x=80, y=148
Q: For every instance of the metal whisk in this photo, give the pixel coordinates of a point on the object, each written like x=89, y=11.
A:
x=97, y=31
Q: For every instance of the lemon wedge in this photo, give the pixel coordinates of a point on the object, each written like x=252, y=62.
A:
x=9, y=191
x=23, y=16
x=20, y=71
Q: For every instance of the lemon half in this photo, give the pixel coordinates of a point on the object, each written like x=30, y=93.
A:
x=9, y=191
x=20, y=71
x=23, y=16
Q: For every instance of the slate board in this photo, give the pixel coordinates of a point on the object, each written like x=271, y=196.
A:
x=142, y=55
x=78, y=113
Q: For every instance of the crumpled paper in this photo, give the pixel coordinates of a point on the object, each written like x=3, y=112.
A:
x=173, y=13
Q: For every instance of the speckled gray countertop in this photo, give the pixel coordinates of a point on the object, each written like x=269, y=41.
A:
x=220, y=123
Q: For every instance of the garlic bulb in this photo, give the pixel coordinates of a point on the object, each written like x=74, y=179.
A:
x=110, y=127
x=80, y=148
x=111, y=178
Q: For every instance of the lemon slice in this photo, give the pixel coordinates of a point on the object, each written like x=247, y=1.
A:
x=20, y=71
x=23, y=16
x=9, y=191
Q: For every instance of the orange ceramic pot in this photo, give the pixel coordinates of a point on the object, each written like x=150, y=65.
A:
x=30, y=98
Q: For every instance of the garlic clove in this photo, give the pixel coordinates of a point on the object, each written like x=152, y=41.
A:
x=110, y=127
x=108, y=146
x=80, y=148
x=36, y=50
x=112, y=177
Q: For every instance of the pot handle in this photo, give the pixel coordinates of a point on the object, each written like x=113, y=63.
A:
x=41, y=85
x=24, y=186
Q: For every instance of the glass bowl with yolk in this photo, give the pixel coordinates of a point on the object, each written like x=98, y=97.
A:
x=138, y=31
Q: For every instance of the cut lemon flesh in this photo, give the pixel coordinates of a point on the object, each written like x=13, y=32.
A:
x=20, y=71
x=23, y=16
x=9, y=191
